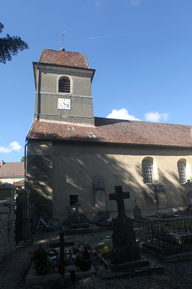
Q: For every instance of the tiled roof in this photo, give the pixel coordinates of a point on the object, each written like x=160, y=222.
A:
x=67, y=58
x=115, y=131
x=12, y=170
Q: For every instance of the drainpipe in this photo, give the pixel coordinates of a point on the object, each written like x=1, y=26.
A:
x=38, y=93
x=25, y=164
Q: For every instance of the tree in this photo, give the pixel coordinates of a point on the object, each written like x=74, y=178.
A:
x=10, y=46
x=22, y=159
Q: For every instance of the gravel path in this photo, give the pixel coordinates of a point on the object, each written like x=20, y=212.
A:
x=15, y=267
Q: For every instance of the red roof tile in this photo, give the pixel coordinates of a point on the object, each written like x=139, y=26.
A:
x=115, y=131
x=12, y=170
x=67, y=58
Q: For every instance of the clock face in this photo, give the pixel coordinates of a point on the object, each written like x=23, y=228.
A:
x=64, y=103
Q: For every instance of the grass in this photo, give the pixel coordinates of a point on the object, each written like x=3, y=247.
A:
x=104, y=250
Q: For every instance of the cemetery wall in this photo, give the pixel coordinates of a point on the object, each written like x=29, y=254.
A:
x=71, y=167
x=6, y=219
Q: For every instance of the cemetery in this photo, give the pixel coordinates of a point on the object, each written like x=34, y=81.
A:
x=135, y=247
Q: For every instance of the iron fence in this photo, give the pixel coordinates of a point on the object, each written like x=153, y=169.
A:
x=23, y=232
x=164, y=233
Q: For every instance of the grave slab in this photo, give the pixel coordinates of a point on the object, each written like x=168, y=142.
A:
x=144, y=266
x=169, y=255
x=33, y=277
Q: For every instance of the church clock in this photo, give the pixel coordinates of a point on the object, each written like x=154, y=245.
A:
x=64, y=103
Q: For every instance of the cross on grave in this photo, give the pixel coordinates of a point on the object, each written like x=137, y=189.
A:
x=119, y=197
x=61, y=244
x=123, y=237
x=77, y=207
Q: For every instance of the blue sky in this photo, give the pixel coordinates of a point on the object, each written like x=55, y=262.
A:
x=141, y=50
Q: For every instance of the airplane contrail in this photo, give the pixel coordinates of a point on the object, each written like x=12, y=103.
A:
x=106, y=36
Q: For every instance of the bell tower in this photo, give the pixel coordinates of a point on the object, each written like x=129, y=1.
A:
x=63, y=87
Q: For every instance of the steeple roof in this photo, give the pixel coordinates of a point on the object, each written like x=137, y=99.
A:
x=65, y=58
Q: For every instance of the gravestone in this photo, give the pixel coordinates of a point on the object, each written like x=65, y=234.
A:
x=77, y=219
x=103, y=219
x=123, y=237
x=161, y=198
x=100, y=196
x=137, y=212
x=100, y=216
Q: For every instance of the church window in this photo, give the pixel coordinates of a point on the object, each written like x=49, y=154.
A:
x=147, y=169
x=181, y=165
x=64, y=84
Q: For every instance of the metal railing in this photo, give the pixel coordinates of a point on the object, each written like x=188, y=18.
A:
x=164, y=233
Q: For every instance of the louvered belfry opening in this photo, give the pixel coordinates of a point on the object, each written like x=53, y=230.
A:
x=64, y=85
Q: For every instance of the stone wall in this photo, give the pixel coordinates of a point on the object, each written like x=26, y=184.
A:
x=6, y=219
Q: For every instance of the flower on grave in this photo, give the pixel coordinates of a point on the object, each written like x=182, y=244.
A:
x=79, y=219
x=40, y=259
x=85, y=252
x=70, y=255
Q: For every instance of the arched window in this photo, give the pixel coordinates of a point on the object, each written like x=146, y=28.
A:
x=147, y=169
x=181, y=165
x=64, y=84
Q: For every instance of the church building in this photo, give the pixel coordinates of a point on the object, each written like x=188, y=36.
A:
x=73, y=156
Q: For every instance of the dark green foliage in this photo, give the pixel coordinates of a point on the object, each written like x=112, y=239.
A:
x=10, y=46
x=104, y=250
x=40, y=259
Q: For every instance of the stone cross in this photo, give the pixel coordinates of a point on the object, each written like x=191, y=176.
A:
x=119, y=197
x=61, y=244
x=77, y=207
x=123, y=237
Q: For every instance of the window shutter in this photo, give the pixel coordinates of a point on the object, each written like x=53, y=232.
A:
x=64, y=85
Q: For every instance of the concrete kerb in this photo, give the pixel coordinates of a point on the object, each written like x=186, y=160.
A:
x=33, y=277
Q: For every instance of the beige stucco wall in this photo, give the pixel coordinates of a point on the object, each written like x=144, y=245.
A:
x=68, y=169
x=74, y=167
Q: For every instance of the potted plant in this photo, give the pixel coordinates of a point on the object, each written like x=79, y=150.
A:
x=40, y=259
x=83, y=257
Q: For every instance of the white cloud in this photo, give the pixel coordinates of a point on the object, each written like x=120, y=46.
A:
x=135, y=2
x=14, y=146
x=165, y=116
x=156, y=117
x=152, y=116
x=4, y=150
x=121, y=114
